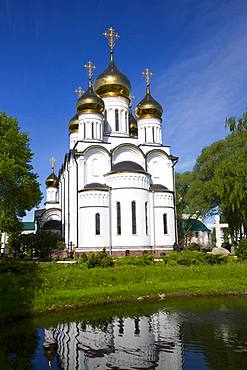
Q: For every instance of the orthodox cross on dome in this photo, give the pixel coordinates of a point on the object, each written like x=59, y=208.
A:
x=111, y=35
x=79, y=91
x=218, y=226
x=147, y=74
x=52, y=160
x=90, y=67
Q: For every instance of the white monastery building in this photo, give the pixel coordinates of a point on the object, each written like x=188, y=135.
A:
x=115, y=189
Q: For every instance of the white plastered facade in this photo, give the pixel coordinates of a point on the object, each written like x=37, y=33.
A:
x=96, y=197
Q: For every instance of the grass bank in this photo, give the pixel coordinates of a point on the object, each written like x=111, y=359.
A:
x=42, y=288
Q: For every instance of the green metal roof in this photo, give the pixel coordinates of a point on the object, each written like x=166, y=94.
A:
x=193, y=225
x=28, y=225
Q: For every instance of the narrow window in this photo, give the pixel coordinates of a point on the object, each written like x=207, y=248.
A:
x=117, y=119
x=165, y=223
x=133, y=211
x=97, y=224
x=84, y=130
x=105, y=115
x=196, y=234
x=146, y=217
x=92, y=130
x=145, y=134
x=118, y=218
x=153, y=134
x=126, y=122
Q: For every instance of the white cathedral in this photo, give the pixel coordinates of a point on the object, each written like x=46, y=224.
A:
x=115, y=189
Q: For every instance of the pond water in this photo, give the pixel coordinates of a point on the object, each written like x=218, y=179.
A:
x=198, y=333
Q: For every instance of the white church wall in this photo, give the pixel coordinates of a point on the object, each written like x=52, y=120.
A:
x=91, y=203
x=73, y=137
x=127, y=152
x=128, y=240
x=149, y=131
x=90, y=126
x=163, y=203
x=97, y=163
x=121, y=105
x=72, y=203
x=160, y=167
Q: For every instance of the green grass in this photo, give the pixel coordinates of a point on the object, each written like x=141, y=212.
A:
x=52, y=287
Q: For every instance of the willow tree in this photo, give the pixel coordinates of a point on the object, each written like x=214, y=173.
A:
x=219, y=177
x=19, y=188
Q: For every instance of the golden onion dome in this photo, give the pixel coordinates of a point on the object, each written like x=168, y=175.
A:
x=52, y=181
x=112, y=82
x=90, y=102
x=73, y=124
x=148, y=108
x=133, y=129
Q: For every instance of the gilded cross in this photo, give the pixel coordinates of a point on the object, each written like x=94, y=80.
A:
x=90, y=67
x=111, y=35
x=147, y=73
x=52, y=160
x=79, y=91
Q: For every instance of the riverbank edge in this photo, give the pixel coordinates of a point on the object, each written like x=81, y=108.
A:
x=84, y=307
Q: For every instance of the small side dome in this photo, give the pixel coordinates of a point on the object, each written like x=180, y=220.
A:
x=112, y=82
x=133, y=129
x=89, y=102
x=52, y=181
x=148, y=108
x=73, y=124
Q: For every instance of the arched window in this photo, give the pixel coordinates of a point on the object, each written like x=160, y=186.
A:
x=126, y=121
x=165, y=223
x=133, y=212
x=145, y=134
x=117, y=119
x=118, y=218
x=146, y=217
x=97, y=224
x=92, y=130
x=153, y=134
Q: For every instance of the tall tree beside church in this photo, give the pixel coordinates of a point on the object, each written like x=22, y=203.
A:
x=19, y=188
x=219, y=177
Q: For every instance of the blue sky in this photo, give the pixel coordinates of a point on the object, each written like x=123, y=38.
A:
x=197, y=50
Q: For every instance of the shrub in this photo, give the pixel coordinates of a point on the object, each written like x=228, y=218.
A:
x=146, y=259
x=100, y=259
x=194, y=247
x=188, y=258
x=241, y=250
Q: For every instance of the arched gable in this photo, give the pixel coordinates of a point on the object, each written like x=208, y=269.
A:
x=159, y=165
x=128, y=152
x=97, y=163
x=51, y=214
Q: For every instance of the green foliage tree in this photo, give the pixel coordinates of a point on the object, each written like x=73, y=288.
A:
x=39, y=245
x=218, y=178
x=19, y=188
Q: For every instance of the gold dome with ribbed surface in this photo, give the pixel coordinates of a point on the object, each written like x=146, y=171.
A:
x=133, y=129
x=112, y=82
x=148, y=108
x=52, y=181
x=73, y=124
x=90, y=102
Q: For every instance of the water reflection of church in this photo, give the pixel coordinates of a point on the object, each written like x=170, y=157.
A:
x=147, y=342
